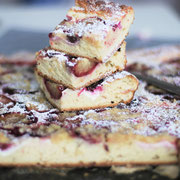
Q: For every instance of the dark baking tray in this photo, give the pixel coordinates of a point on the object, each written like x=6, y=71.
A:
x=17, y=40
x=74, y=174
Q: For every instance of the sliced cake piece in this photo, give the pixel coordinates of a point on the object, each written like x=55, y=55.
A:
x=93, y=29
x=75, y=72
x=108, y=92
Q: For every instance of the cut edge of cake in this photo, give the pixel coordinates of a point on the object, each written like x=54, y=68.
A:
x=63, y=69
x=98, y=95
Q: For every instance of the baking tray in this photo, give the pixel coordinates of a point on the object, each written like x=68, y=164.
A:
x=18, y=40
x=74, y=174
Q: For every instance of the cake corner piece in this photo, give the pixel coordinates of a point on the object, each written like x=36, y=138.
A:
x=94, y=30
x=108, y=92
x=76, y=72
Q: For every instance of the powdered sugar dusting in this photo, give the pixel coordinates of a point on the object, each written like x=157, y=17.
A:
x=11, y=108
x=21, y=110
x=43, y=117
x=53, y=53
x=71, y=64
x=118, y=75
x=153, y=56
x=162, y=62
x=96, y=17
x=157, y=115
x=86, y=27
x=98, y=124
x=148, y=114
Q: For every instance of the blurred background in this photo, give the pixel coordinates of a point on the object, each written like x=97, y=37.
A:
x=153, y=18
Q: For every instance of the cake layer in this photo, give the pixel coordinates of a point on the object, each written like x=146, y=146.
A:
x=76, y=72
x=64, y=150
x=93, y=29
x=117, y=88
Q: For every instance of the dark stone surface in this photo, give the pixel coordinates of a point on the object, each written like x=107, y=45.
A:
x=74, y=174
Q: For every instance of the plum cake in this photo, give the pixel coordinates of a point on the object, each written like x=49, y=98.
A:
x=32, y=132
x=76, y=72
x=107, y=92
x=93, y=29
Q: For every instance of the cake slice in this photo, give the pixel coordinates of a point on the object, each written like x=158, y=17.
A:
x=93, y=29
x=76, y=72
x=108, y=92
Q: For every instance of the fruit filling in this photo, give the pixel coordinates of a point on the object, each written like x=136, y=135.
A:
x=4, y=146
x=92, y=88
x=54, y=90
x=95, y=86
x=73, y=39
x=80, y=67
x=117, y=26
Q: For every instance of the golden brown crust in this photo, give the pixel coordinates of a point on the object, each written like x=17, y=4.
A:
x=93, y=164
x=101, y=8
x=91, y=6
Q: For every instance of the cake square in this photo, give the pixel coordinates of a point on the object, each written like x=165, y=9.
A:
x=93, y=29
x=108, y=92
x=76, y=72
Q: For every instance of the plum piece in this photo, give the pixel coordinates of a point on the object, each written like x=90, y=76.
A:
x=54, y=90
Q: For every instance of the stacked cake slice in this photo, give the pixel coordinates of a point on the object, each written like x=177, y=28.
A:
x=83, y=67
